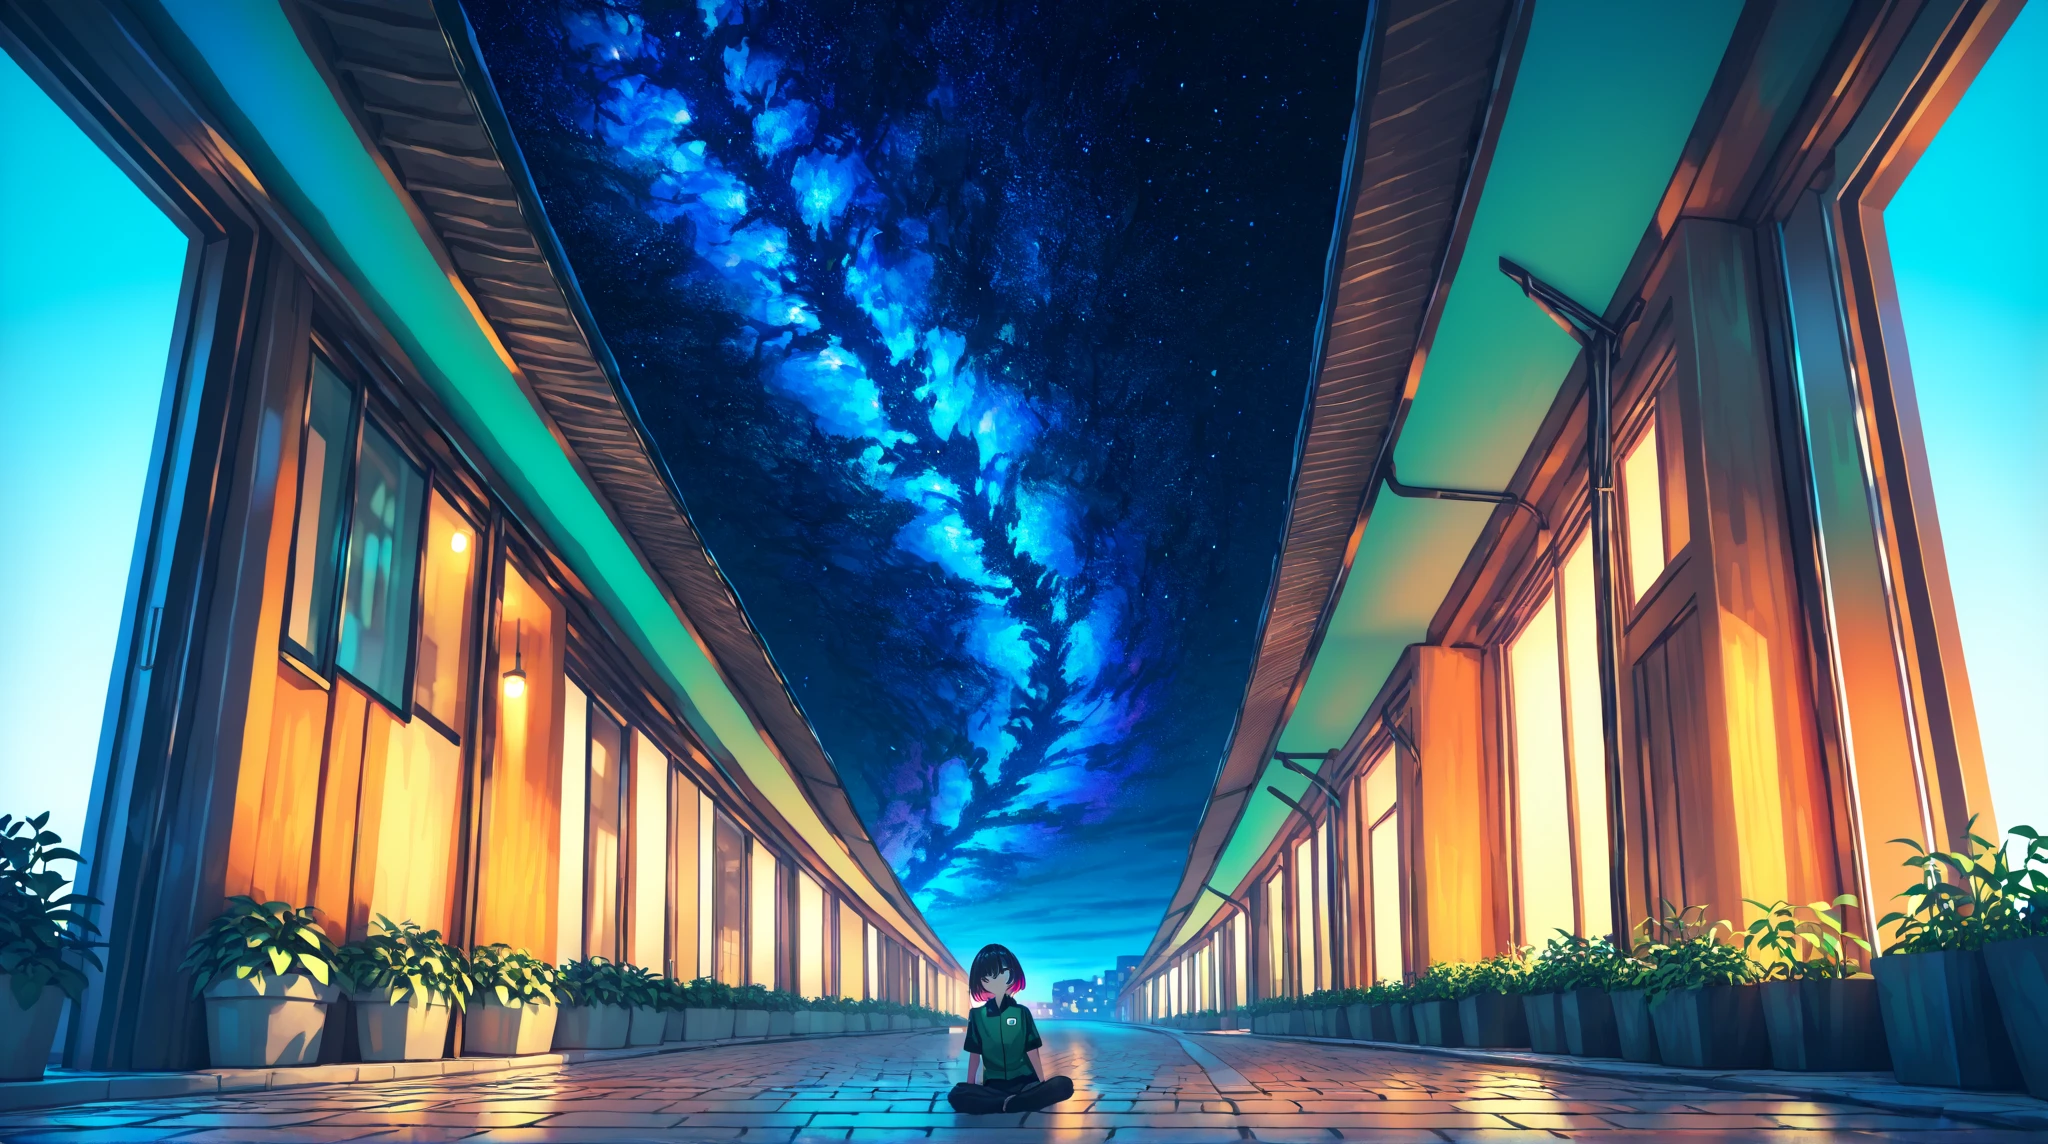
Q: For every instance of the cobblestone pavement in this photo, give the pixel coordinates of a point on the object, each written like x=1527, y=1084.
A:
x=1130, y=1084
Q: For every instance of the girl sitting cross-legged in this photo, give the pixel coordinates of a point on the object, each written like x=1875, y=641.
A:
x=1003, y=1068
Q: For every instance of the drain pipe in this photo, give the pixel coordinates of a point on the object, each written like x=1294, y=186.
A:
x=1602, y=343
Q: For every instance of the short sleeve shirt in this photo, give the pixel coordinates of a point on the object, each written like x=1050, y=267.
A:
x=1001, y=1033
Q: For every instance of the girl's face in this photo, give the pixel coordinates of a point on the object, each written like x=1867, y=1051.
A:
x=998, y=985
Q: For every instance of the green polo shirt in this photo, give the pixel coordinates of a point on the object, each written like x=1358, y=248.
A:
x=1002, y=1031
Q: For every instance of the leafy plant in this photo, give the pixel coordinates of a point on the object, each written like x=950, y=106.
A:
x=261, y=938
x=641, y=988
x=1386, y=993
x=1777, y=940
x=751, y=997
x=39, y=925
x=1444, y=981
x=592, y=981
x=513, y=976
x=1570, y=962
x=704, y=993
x=1969, y=899
x=783, y=1001
x=407, y=960
x=1506, y=974
x=1689, y=954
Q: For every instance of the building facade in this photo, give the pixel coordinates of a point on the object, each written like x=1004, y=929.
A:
x=368, y=593
x=1703, y=598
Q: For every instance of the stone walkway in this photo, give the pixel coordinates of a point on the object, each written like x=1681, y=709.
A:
x=1130, y=1084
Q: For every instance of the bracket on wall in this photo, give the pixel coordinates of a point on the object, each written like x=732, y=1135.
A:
x=1425, y=492
x=1401, y=738
x=1289, y=759
x=1242, y=907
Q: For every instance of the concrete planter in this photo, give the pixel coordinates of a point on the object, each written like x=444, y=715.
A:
x=707, y=1024
x=1402, y=1013
x=1546, y=1033
x=593, y=1027
x=672, y=1025
x=829, y=1021
x=266, y=1021
x=856, y=1022
x=415, y=1029
x=1436, y=1023
x=1358, y=1022
x=1718, y=1027
x=1825, y=1026
x=1492, y=1021
x=2019, y=976
x=1586, y=1017
x=644, y=1026
x=750, y=1022
x=493, y=1030
x=1941, y=1021
x=1376, y=1025
x=1297, y=1023
x=781, y=1024
x=899, y=1021
x=27, y=1034
x=803, y=1023
x=1633, y=1033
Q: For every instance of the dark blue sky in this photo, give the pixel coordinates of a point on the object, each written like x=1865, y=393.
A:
x=977, y=336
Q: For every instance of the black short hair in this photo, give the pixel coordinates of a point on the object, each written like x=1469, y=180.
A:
x=993, y=959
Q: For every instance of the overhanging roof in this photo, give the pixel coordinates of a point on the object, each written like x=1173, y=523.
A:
x=1597, y=102
x=497, y=327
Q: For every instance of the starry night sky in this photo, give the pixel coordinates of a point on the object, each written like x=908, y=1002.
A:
x=977, y=335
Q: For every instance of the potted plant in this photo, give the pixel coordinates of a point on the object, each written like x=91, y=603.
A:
x=707, y=1010
x=856, y=1015
x=594, y=1009
x=40, y=931
x=782, y=1008
x=1435, y=1004
x=899, y=1018
x=267, y=973
x=514, y=1006
x=404, y=983
x=1490, y=1011
x=642, y=989
x=1820, y=1013
x=1703, y=1000
x=668, y=1001
x=1940, y=1009
x=1373, y=1018
x=2018, y=965
x=828, y=1015
x=1543, y=994
x=750, y=1011
x=1587, y=971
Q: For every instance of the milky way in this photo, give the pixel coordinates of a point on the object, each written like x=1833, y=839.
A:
x=976, y=335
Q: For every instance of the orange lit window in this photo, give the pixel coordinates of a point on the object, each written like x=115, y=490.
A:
x=1654, y=525
x=1384, y=845
x=1542, y=806
x=761, y=936
x=1588, y=744
x=1276, y=935
x=650, y=855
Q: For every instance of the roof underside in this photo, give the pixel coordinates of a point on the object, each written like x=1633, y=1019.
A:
x=421, y=94
x=1603, y=97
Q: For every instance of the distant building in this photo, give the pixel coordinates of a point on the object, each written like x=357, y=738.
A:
x=1092, y=997
x=1042, y=1010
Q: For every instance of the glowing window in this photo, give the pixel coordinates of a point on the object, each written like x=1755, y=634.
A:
x=684, y=850
x=1542, y=809
x=810, y=929
x=874, y=960
x=729, y=900
x=1386, y=898
x=650, y=855
x=607, y=801
x=1305, y=913
x=575, y=772
x=416, y=853
x=1642, y=502
x=1240, y=969
x=852, y=953
x=446, y=598
x=1588, y=743
x=762, y=949
x=1323, y=977
x=1276, y=936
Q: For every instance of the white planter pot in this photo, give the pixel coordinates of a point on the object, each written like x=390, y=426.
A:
x=804, y=1023
x=831, y=1022
x=707, y=1024
x=899, y=1021
x=415, y=1029
x=645, y=1026
x=265, y=1021
x=856, y=1022
x=593, y=1027
x=27, y=1034
x=781, y=1024
x=493, y=1030
x=672, y=1025
x=749, y=1022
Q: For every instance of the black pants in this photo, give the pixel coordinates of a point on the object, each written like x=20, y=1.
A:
x=1022, y=1094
